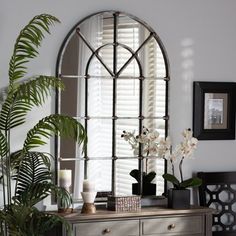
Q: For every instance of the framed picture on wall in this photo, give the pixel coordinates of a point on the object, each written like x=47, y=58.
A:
x=214, y=110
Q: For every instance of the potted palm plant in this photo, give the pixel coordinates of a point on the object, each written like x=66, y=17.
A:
x=29, y=167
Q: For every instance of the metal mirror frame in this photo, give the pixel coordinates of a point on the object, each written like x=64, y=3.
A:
x=167, y=78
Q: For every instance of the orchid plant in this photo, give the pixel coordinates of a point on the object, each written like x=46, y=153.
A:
x=181, y=152
x=154, y=145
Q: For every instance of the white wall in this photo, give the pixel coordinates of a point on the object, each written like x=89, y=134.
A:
x=199, y=36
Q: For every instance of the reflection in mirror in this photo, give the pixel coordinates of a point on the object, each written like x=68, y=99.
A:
x=116, y=76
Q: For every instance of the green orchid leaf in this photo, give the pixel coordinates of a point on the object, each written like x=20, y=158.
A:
x=149, y=177
x=135, y=174
x=172, y=179
x=192, y=182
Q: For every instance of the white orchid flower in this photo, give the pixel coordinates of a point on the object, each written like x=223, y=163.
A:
x=187, y=134
x=135, y=151
x=164, y=148
x=153, y=136
x=152, y=149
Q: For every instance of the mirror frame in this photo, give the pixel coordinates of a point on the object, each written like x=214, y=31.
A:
x=167, y=78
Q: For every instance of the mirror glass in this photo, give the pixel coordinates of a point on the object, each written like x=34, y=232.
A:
x=115, y=71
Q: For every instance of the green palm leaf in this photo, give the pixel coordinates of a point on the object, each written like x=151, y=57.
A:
x=36, y=90
x=28, y=221
x=34, y=180
x=16, y=158
x=3, y=145
x=62, y=195
x=24, y=97
x=32, y=172
x=27, y=44
x=64, y=126
x=13, y=112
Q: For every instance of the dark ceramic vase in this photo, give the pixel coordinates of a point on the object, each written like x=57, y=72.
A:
x=179, y=198
x=148, y=189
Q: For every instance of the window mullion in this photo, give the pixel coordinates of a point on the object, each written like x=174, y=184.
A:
x=114, y=104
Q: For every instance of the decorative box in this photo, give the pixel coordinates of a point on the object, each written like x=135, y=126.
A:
x=124, y=203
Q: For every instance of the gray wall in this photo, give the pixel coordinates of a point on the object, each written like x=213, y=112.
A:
x=199, y=36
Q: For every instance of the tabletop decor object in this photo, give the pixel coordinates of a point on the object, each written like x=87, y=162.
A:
x=124, y=203
x=65, y=180
x=179, y=195
x=88, y=195
x=148, y=187
x=149, y=143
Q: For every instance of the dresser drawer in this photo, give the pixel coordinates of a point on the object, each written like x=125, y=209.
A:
x=192, y=225
x=111, y=228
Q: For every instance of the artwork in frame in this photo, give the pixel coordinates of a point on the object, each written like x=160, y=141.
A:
x=214, y=110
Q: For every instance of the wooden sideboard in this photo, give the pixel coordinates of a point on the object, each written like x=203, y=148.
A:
x=149, y=221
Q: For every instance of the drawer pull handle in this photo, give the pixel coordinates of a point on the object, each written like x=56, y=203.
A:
x=172, y=226
x=106, y=231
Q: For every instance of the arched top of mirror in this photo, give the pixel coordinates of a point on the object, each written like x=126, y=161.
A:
x=116, y=72
x=117, y=27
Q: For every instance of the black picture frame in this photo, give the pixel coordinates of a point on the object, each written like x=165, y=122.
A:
x=214, y=110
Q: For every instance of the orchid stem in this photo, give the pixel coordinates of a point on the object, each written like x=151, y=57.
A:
x=172, y=167
x=180, y=169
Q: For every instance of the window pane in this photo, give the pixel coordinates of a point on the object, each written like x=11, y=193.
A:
x=100, y=172
x=128, y=98
x=154, y=102
x=158, y=166
x=123, y=148
x=123, y=179
x=155, y=124
x=92, y=30
x=100, y=97
x=106, y=54
x=131, y=32
x=152, y=56
x=99, y=138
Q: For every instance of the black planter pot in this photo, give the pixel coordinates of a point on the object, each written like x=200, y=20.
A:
x=179, y=198
x=148, y=189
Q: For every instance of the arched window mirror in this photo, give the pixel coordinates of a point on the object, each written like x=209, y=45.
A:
x=116, y=74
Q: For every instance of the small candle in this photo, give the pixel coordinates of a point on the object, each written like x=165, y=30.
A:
x=88, y=186
x=65, y=178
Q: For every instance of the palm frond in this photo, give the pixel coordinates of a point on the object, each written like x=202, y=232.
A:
x=3, y=145
x=36, y=90
x=34, y=180
x=27, y=44
x=17, y=156
x=63, y=196
x=49, y=221
x=3, y=95
x=32, y=171
x=24, y=97
x=62, y=125
x=25, y=221
x=35, y=193
x=13, y=112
